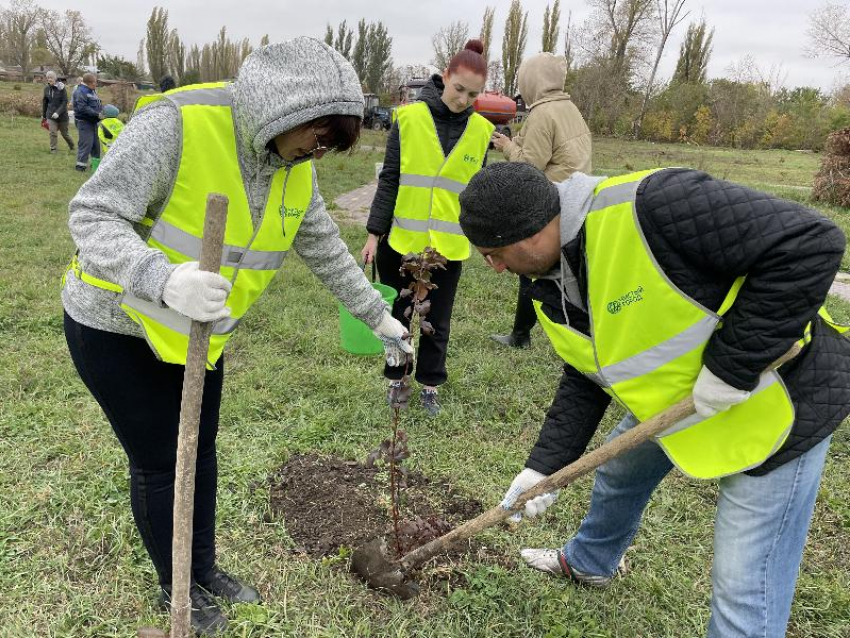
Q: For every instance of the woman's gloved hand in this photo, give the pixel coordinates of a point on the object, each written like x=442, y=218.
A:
x=395, y=338
x=713, y=395
x=198, y=294
x=523, y=482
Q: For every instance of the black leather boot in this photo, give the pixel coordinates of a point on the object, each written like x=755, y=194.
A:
x=513, y=340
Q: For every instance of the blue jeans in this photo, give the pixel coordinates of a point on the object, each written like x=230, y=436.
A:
x=759, y=533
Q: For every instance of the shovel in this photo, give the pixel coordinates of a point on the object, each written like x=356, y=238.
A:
x=215, y=222
x=373, y=565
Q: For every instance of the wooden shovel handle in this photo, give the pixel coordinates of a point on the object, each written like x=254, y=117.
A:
x=563, y=477
x=190, y=417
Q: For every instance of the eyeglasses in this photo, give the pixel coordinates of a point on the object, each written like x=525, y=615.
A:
x=321, y=149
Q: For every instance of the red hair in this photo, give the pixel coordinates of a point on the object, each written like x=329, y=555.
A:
x=470, y=58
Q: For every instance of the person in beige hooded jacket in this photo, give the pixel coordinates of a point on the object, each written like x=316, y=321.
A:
x=554, y=139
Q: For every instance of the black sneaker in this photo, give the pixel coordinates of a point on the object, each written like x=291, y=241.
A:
x=222, y=584
x=513, y=340
x=429, y=402
x=206, y=618
x=82, y=169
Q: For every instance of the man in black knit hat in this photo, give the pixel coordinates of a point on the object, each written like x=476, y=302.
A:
x=632, y=276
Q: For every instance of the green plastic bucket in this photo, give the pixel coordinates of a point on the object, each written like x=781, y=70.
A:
x=95, y=162
x=354, y=335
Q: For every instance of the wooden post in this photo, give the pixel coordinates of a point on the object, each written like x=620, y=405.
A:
x=187, y=441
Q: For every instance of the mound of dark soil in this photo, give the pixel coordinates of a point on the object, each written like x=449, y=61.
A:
x=329, y=503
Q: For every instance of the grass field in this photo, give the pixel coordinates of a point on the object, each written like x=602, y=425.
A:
x=72, y=565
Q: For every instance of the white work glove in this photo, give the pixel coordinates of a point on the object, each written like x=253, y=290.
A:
x=55, y=116
x=523, y=482
x=394, y=336
x=198, y=294
x=713, y=395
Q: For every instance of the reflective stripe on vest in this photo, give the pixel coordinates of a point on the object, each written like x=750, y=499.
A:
x=206, y=94
x=648, y=340
x=427, y=208
x=251, y=255
x=108, y=131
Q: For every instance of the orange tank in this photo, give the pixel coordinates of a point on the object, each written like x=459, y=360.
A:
x=495, y=107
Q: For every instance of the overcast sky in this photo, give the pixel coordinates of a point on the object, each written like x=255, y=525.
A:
x=772, y=31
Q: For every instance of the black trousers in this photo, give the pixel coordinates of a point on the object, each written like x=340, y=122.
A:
x=140, y=396
x=525, y=317
x=431, y=355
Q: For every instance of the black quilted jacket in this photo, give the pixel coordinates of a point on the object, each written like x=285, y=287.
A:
x=704, y=233
x=450, y=127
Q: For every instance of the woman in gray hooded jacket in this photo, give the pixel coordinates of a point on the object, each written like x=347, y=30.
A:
x=292, y=102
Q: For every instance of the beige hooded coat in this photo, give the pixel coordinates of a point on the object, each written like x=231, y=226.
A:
x=554, y=137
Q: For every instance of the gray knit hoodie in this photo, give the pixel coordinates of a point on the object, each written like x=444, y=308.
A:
x=279, y=87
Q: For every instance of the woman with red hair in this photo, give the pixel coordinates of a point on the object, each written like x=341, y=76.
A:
x=434, y=148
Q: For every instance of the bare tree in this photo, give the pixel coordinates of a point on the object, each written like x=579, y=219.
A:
x=448, y=41
x=513, y=45
x=487, y=30
x=496, y=76
x=20, y=24
x=141, y=59
x=551, y=27
x=156, y=43
x=404, y=74
x=694, y=55
x=68, y=38
x=264, y=41
x=568, y=46
x=194, y=59
x=669, y=15
x=617, y=26
x=829, y=32
x=177, y=57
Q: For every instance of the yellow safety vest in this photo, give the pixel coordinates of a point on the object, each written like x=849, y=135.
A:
x=427, y=208
x=108, y=130
x=148, y=98
x=647, y=342
x=251, y=256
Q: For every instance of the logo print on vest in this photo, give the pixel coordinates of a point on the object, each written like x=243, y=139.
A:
x=471, y=159
x=290, y=212
x=628, y=299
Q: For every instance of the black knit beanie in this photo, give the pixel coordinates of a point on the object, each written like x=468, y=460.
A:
x=507, y=202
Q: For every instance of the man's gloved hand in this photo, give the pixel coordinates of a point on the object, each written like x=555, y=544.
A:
x=198, y=294
x=55, y=116
x=394, y=336
x=713, y=395
x=523, y=482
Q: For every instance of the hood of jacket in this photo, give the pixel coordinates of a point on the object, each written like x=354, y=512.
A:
x=432, y=95
x=282, y=86
x=541, y=78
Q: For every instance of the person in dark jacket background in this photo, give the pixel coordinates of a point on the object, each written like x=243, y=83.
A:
x=166, y=83
x=54, y=110
x=701, y=234
x=449, y=99
x=87, y=108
